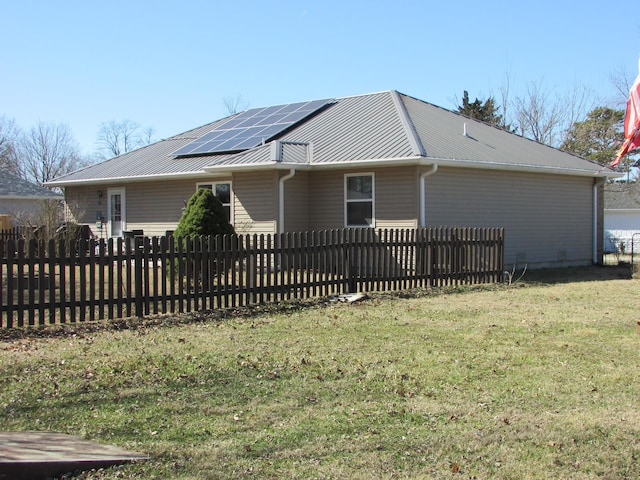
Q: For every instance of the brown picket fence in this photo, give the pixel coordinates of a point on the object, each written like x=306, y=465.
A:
x=15, y=233
x=56, y=282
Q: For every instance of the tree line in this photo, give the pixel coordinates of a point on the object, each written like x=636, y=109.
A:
x=48, y=149
x=576, y=122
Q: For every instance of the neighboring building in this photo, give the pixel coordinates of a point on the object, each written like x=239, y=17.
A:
x=21, y=201
x=381, y=160
x=621, y=217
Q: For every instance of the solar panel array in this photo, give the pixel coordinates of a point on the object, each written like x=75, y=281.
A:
x=251, y=128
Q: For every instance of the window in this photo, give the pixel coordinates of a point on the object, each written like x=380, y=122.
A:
x=359, y=194
x=222, y=190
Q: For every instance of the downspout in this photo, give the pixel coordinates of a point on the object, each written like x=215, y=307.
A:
x=283, y=179
x=423, y=189
x=595, y=222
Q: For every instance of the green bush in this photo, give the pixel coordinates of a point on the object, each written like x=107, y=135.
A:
x=204, y=215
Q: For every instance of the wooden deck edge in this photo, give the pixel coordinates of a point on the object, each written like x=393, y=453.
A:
x=35, y=455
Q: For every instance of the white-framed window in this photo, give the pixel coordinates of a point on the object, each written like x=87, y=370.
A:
x=359, y=200
x=222, y=190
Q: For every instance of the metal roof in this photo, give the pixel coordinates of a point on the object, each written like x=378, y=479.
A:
x=442, y=133
x=386, y=128
x=151, y=161
x=357, y=128
x=621, y=196
x=12, y=186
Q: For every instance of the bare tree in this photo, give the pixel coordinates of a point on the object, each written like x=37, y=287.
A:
x=234, y=104
x=9, y=135
x=44, y=221
x=545, y=117
x=47, y=151
x=147, y=135
x=505, y=99
x=535, y=116
x=116, y=138
x=621, y=81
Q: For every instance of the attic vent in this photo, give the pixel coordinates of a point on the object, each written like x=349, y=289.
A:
x=276, y=151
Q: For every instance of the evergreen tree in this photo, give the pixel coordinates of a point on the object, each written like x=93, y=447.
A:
x=204, y=215
x=486, y=111
x=598, y=137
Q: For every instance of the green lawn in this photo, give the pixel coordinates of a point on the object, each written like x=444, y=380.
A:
x=537, y=380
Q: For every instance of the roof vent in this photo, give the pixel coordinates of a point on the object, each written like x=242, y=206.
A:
x=276, y=151
x=464, y=129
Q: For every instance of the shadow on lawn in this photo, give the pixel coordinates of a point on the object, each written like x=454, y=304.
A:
x=531, y=278
x=579, y=274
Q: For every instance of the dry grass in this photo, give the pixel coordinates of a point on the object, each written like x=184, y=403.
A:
x=537, y=380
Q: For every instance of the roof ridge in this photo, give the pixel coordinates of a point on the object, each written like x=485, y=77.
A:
x=370, y=94
x=407, y=124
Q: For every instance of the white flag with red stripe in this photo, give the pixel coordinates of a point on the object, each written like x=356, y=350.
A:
x=631, y=122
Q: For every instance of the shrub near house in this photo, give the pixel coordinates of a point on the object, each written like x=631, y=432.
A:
x=204, y=215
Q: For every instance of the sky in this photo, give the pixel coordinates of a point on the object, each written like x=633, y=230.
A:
x=170, y=65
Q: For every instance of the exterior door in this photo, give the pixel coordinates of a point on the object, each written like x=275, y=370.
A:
x=116, y=212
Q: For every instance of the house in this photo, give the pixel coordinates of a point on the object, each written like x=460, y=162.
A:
x=621, y=217
x=380, y=160
x=21, y=202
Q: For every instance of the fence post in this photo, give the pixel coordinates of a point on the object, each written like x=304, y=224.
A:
x=351, y=266
x=500, y=256
x=251, y=266
x=137, y=266
x=11, y=249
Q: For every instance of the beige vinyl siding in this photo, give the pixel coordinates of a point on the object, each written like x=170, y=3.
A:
x=255, y=202
x=296, y=202
x=395, y=198
x=83, y=203
x=153, y=207
x=157, y=207
x=548, y=219
x=326, y=200
x=396, y=194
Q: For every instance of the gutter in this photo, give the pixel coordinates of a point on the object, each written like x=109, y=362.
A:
x=32, y=197
x=118, y=180
x=415, y=161
x=366, y=163
x=421, y=202
x=281, y=181
x=529, y=168
x=275, y=165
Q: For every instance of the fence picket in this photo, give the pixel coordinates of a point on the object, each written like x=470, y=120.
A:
x=72, y=280
x=42, y=281
x=20, y=261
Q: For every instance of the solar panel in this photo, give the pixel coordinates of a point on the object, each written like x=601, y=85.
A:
x=249, y=129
